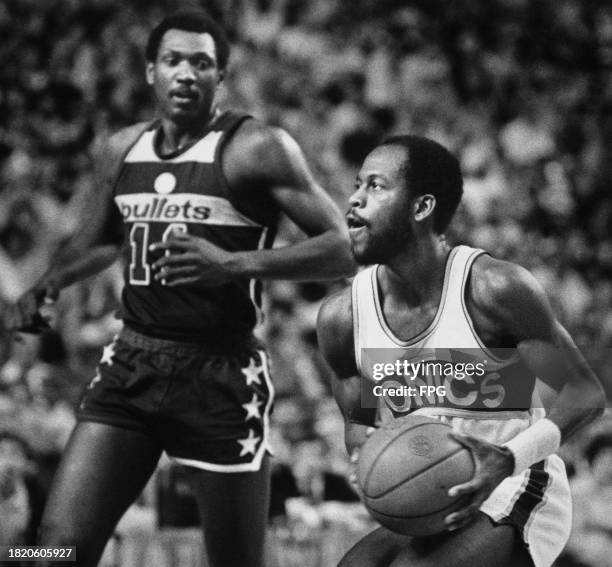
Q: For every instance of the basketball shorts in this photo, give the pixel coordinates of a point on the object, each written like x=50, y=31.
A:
x=208, y=408
x=536, y=502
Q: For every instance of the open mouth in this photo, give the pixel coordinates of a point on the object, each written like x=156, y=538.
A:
x=183, y=96
x=354, y=222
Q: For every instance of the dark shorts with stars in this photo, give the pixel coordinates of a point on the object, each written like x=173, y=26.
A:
x=208, y=408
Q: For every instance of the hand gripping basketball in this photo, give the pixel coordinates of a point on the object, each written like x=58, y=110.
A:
x=493, y=463
x=405, y=471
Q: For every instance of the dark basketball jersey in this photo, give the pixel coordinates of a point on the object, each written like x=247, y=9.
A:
x=185, y=191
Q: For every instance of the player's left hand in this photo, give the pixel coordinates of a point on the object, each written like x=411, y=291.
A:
x=354, y=460
x=493, y=463
x=24, y=315
x=190, y=260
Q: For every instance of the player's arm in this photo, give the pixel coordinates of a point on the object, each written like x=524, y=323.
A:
x=284, y=173
x=335, y=336
x=516, y=304
x=94, y=244
x=270, y=165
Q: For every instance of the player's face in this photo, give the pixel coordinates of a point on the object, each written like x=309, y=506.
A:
x=185, y=75
x=379, y=215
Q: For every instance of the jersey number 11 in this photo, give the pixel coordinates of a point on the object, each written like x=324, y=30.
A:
x=140, y=270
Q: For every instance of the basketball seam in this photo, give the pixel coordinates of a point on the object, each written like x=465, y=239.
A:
x=392, y=440
x=404, y=480
x=384, y=448
x=420, y=516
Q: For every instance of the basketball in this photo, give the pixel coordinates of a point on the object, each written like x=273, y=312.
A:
x=405, y=470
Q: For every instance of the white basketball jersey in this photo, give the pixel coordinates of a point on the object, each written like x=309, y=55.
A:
x=450, y=327
x=537, y=501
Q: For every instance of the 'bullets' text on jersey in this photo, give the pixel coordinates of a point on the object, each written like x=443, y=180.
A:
x=187, y=192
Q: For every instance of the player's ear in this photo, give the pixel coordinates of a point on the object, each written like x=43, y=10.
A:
x=424, y=206
x=150, y=73
x=221, y=77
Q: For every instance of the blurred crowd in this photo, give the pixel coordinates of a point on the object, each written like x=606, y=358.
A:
x=519, y=90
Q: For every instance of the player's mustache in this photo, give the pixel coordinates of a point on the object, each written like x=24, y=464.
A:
x=353, y=219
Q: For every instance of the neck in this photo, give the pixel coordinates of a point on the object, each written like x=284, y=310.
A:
x=417, y=274
x=178, y=135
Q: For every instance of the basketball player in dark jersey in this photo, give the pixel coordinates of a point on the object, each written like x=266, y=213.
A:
x=418, y=293
x=194, y=197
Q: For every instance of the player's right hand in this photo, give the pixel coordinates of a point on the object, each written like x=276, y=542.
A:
x=24, y=315
x=493, y=463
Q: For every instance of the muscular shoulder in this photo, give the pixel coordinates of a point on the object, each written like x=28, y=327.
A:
x=510, y=296
x=256, y=139
x=108, y=151
x=261, y=152
x=335, y=332
x=121, y=140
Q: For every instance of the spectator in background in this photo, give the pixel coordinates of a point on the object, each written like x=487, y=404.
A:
x=470, y=71
x=19, y=510
x=591, y=538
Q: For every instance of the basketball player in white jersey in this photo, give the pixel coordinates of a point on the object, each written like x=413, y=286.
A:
x=419, y=293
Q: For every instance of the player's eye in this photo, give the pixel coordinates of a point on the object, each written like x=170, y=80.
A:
x=202, y=64
x=170, y=60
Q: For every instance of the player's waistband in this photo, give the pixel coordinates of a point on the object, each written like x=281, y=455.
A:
x=474, y=414
x=147, y=342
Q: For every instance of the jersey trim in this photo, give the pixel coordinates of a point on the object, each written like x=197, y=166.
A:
x=434, y=323
x=146, y=128
x=466, y=275
x=356, y=319
x=534, y=500
x=264, y=444
x=530, y=498
x=215, y=125
x=472, y=413
x=254, y=292
x=236, y=120
x=202, y=151
x=227, y=134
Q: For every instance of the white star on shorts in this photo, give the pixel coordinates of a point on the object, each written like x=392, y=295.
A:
x=249, y=444
x=252, y=408
x=252, y=372
x=107, y=355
